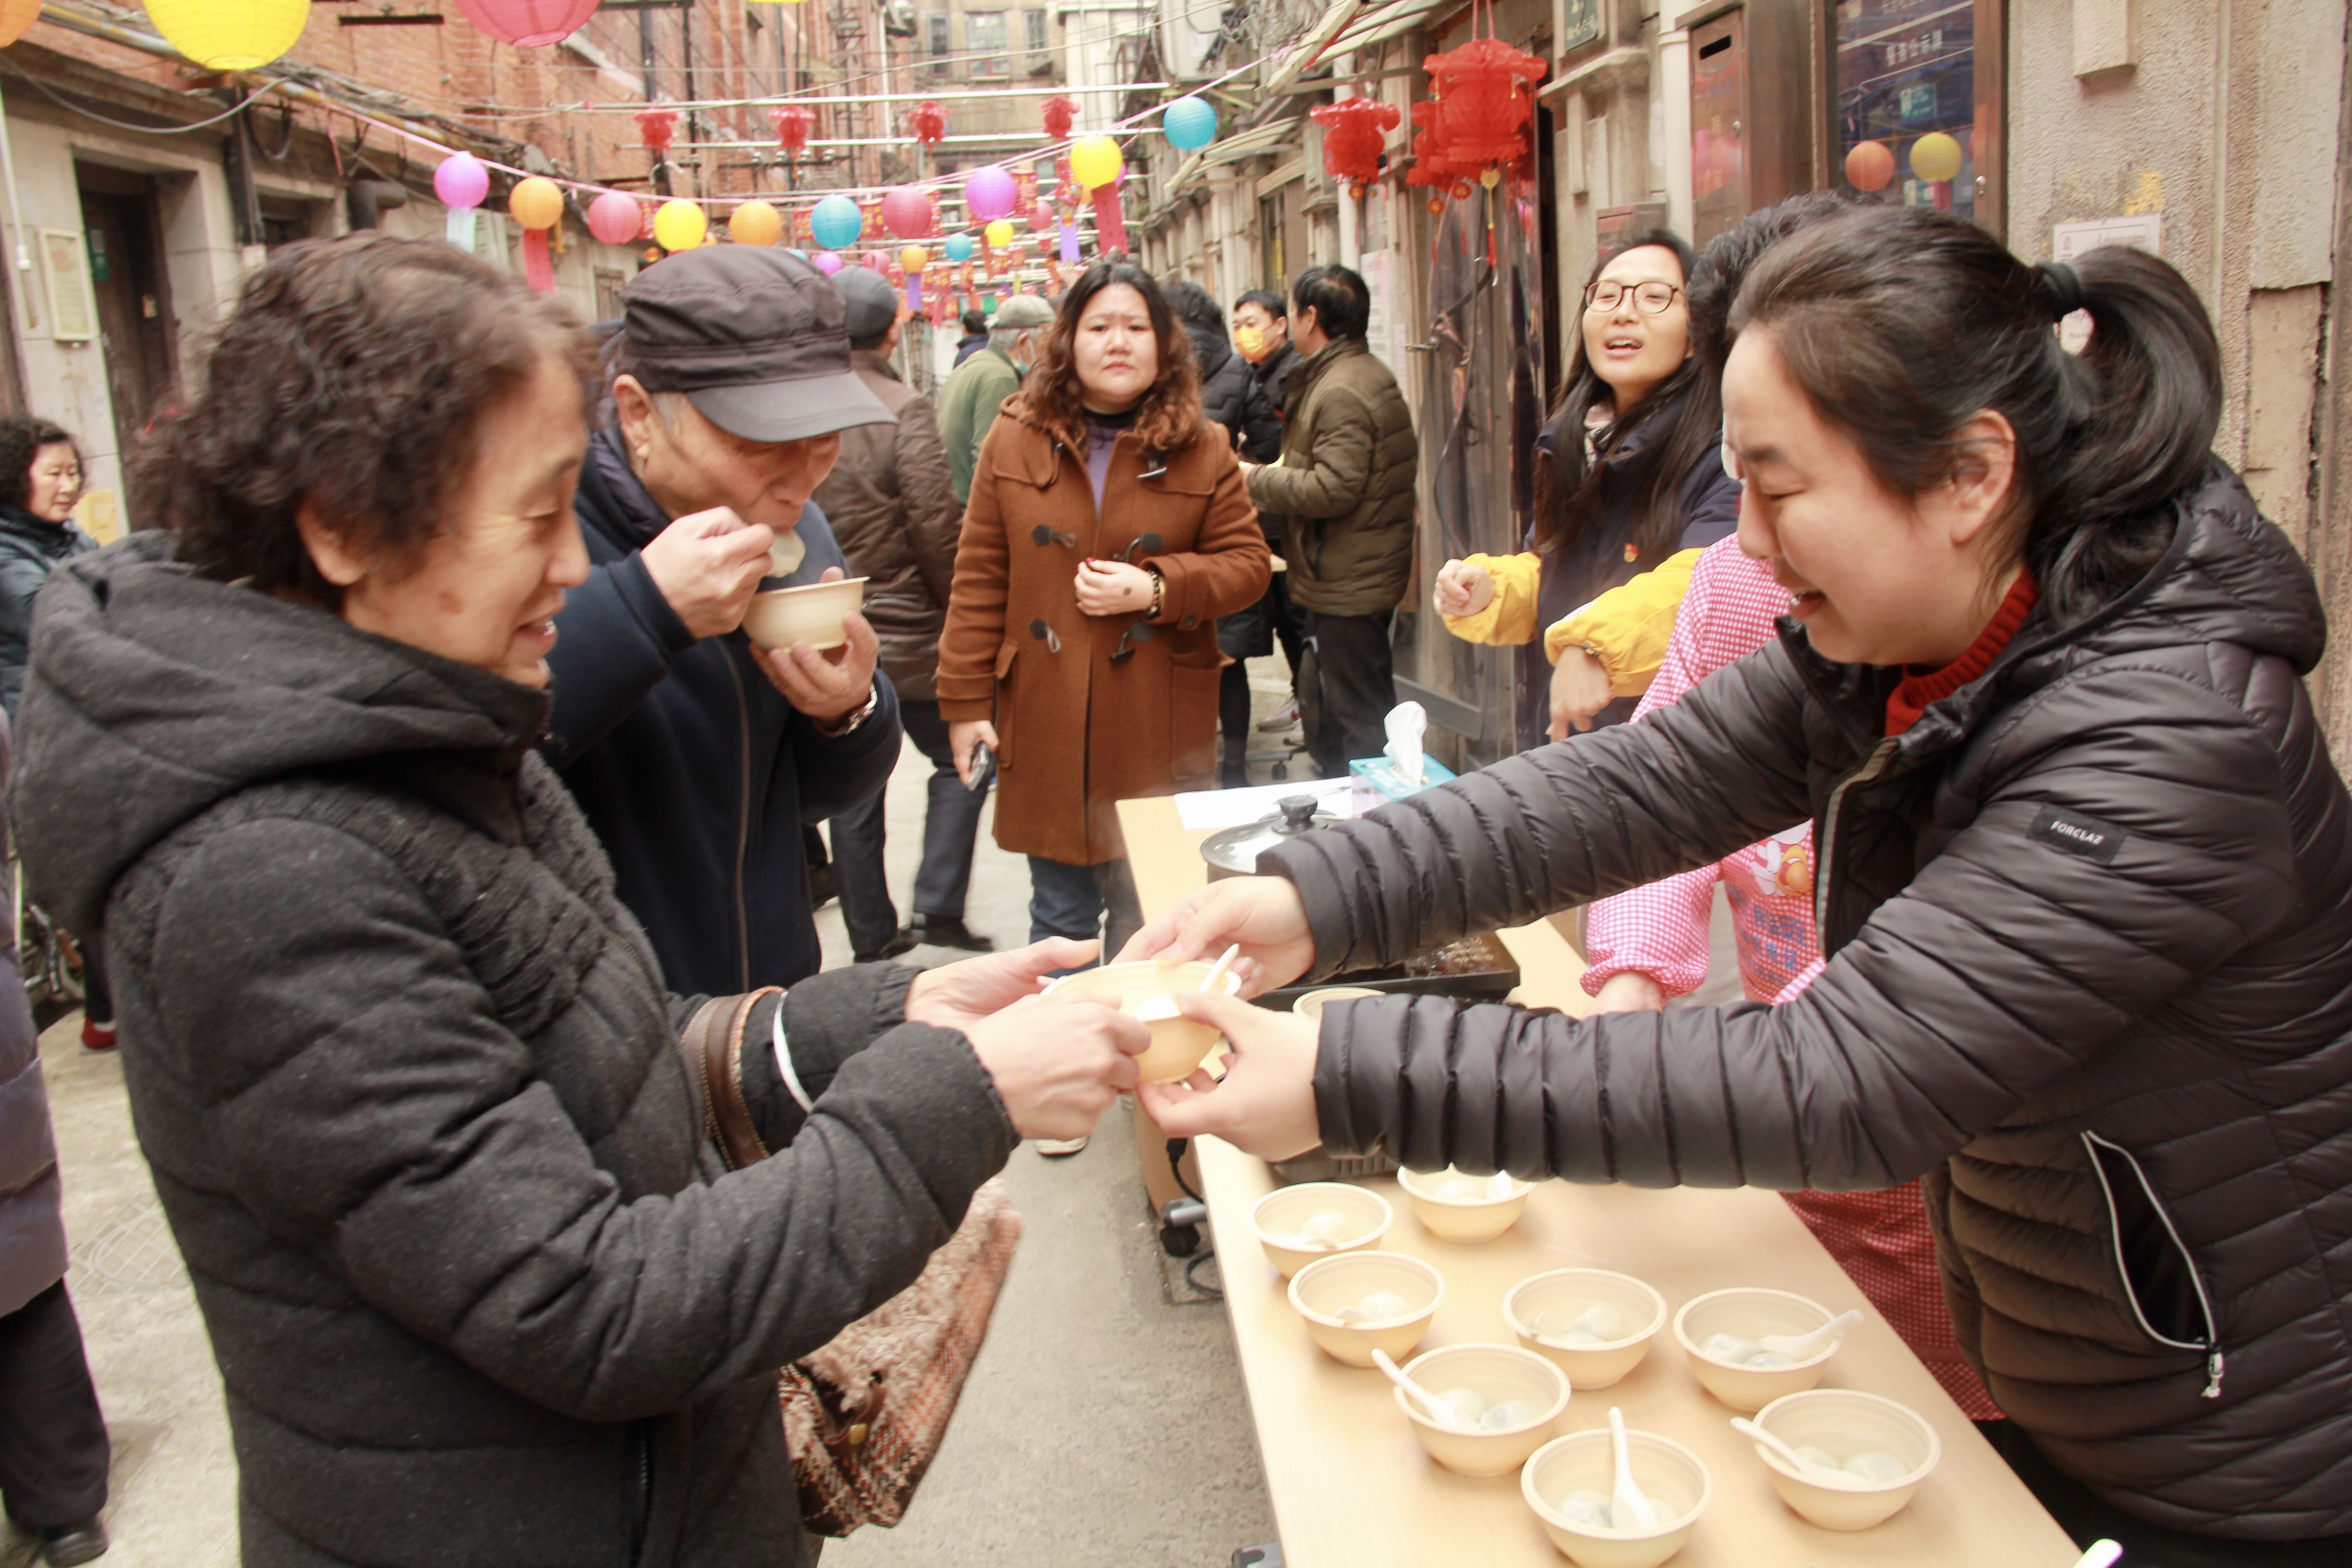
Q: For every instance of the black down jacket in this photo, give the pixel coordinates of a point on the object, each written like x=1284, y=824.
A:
x=407, y=1077
x=2090, y=928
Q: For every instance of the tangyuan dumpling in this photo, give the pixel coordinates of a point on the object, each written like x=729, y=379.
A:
x=1587, y=1509
x=1726, y=1347
x=1377, y=1307
x=1875, y=1464
x=1818, y=1458
x=1468, y=1407
x=1767, y=1360
x=1509, y=1414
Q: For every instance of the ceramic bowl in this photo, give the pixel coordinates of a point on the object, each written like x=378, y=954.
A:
x=1178, y=1044
x=1565, y=1292
x=1493, y=1372
x=1324, y=1287
x=1669, y=1474
x=1280, y=1215
x=811, y=613
x=1310, y=1006
x=1748, y=1313
x=1461, y=1218
x=1845, y=1423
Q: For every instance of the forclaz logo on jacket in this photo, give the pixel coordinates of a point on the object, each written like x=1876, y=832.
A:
x=2078, y=835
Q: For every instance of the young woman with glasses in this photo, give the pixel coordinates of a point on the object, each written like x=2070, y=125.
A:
x=1629, y=490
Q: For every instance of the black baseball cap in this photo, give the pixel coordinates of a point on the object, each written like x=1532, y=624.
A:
x=753, y=335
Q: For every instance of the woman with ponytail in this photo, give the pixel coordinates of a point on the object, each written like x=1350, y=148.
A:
x=2083, y=888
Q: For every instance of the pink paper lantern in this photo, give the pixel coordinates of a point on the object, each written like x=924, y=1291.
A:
x=527, y=24
x=990, y=193
x=907, y=211
x=826, y=261
x=615, y=219
x=461, y=182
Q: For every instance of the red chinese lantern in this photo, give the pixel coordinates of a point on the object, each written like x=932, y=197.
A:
x=658, y=126
x=793, y=122
x=1355, y=137
x=1059, y=115
x=929, y=123
x=1433, y=162
x=1487, y=92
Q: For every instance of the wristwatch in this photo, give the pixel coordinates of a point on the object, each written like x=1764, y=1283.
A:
x=849, y=726
x=1159, y=593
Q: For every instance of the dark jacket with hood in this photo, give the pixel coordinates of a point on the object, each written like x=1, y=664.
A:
x=694, y=771
x=2089, y=923
x=32, y=1218
x=30, y=548
x=404, y=1069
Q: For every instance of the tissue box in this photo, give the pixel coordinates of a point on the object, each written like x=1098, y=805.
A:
x=1376, y=778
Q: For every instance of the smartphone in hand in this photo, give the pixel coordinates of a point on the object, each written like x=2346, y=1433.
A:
x=983, y=768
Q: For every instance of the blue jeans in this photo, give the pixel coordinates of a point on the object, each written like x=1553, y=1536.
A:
x=1071, y=900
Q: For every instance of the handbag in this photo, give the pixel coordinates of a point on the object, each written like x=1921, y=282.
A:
x=864, y=1416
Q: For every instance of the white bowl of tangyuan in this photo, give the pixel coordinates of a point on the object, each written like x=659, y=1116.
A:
x=1595, y=1323
x=1314, y=1219
x=1721, y=1331
x=1354, y=1303
x=1567, y=1482
x=1455, y=1206
x=1860, y=1457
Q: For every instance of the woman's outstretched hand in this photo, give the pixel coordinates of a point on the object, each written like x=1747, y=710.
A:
x=1265, y=1103
x=1264, y=914
x=958, y=995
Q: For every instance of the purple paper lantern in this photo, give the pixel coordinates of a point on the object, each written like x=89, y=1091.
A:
x=990, y=193
x=827, y=262
x=461, y=182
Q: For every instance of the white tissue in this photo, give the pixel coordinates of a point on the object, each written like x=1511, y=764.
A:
x=1406, y=724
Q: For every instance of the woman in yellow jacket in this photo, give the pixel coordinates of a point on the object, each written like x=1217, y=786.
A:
x=1630, y=488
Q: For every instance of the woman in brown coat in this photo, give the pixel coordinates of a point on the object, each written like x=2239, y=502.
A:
x=1108, y=529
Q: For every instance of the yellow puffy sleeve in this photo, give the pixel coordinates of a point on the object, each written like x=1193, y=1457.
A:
x=1628, y=627
x=1509, y=616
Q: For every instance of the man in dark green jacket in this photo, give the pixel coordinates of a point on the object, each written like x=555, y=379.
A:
x=979, y=386
x=1344, y=490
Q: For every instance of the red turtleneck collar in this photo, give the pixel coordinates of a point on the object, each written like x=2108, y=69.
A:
x=1919, y=688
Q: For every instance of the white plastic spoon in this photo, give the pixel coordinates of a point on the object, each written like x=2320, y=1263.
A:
x=1810, y=1469
x=1804, y=1347
x=1216, y=975
x=2102, y=1554
x=1436, y=1409
x=1628, y=1508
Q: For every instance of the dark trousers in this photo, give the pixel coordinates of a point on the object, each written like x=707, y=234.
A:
x=1071, y=900
x=1289, y=625
x=1233, y=719
x=2083, y=1516
x=1358, y=675
x=950, y=826
x=53, y=1447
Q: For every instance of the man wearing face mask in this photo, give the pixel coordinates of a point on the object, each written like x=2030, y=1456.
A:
x=979, y=386
x=698, y=755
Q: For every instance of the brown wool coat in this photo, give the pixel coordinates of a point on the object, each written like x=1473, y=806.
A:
x=1078, y=733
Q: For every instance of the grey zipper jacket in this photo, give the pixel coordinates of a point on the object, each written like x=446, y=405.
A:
x=406, y=1075
x=2089, y=925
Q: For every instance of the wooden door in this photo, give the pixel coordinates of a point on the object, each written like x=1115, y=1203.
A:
x=134, y=311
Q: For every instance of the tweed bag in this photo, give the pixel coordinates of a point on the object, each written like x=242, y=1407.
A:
x=865, y=1415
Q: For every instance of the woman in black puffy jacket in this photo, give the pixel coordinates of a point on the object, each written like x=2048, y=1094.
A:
x=2085, y=885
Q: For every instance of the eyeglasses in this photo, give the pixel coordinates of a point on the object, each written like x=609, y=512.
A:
x=1650, y=299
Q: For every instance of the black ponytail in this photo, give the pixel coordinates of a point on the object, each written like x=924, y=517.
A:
x=1900, y=325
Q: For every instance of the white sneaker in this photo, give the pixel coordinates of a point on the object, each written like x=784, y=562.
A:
x=1060, y=1148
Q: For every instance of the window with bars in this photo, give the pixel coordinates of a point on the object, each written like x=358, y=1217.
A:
x=984, y=39
x=937, y=31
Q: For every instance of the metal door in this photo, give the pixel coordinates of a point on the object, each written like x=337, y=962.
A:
x=1719, y=121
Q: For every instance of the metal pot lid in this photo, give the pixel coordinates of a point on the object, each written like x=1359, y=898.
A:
x=1236, y=849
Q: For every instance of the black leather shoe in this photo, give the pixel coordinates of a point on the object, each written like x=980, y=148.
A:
x=945, y=931
x=892, y=948
x=71, y=1543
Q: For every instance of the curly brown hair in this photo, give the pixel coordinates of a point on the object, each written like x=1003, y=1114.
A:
x=354, y=376
x=1167, y=419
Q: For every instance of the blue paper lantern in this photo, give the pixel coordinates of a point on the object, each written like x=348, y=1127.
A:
x=836, y=223
x=959, y=248
x=1189, y=123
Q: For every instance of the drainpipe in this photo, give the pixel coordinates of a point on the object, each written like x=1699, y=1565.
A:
x=16, y=232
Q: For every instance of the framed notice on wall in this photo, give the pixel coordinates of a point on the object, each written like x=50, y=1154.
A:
x=1579, y=23
x=73, y=309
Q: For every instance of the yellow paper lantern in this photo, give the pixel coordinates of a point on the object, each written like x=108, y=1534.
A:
x=230, y=35
x=914, y=257
x=1000, y=232
x=1935, y=157
x=755, y=223
x=680, y=226
x=536, y=203
x=16, y=16
x=1095, y=161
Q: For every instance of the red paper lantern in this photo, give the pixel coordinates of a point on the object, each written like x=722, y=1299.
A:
x=1487, y=92
x=907, y=211
x=658, y=126
x=793, y=122
x=1869, y=165
x=1059, y=115
x=929, y=123
x=1355, y=137
x=1433, y=152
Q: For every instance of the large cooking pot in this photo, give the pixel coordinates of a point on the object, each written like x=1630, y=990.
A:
x=1234, y=851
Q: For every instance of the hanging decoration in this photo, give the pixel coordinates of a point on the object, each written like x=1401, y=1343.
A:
x=793, y=122
x=461, y=182
x=1058, y=114
x=659, y=127
x=990, y=193
x=755, y=223
x=1487, y=92
x=1432, y=161
x=835, y=224
x=999, y=234
x=929, y=122
x=615, y=218
x=958, y=246
x=827, y=262
x=1936, y=158
x=1356, y=138
x=1095, y=161
x=877, y=262
x=16, y=16
x=914, y=257
x=1869, y=165
x=1069, y=251
x=907, y=213
x=537, y=204
x=230, y=35
x=1189, y=123
x=1024, y=188
x=529, y=24
x=680, y=224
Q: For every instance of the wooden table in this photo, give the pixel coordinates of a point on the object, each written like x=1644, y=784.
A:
x=1352, y=1488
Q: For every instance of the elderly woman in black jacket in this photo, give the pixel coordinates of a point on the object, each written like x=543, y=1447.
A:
x=482, y=1289
x=2085, y=884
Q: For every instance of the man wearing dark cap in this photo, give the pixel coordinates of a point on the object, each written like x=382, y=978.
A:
x=897, y=519
x=697, y=755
